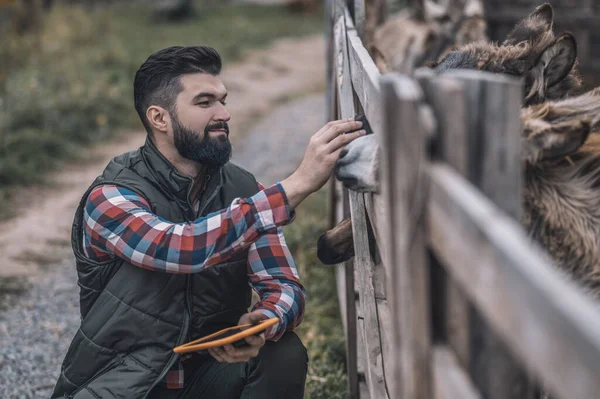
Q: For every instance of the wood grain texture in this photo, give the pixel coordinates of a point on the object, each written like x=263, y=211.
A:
x=403, y=166
x=493, y=165
x=450, y=379
x=346, y=109
x=551, y=327
x=364, y=270
x=447, y=99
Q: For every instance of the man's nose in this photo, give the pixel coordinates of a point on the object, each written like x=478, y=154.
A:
x=222, y=114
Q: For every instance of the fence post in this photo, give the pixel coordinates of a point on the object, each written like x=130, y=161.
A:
x=402, y=173
x=345, y=98
x=494, y=126
x=450, y=305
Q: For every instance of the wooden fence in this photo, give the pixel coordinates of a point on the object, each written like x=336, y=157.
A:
x=446, y=296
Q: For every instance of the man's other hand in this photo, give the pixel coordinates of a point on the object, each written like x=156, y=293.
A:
x=319, y=159
x=229, y=354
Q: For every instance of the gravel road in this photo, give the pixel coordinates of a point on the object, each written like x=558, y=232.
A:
x=37, y=326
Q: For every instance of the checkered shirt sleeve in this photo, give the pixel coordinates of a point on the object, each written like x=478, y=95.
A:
x=273, y=274
x=117, y=221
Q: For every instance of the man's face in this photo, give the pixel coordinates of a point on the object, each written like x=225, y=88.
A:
x=200, y=130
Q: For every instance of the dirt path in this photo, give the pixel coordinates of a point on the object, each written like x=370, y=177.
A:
x=39, y=236
x=278, y=105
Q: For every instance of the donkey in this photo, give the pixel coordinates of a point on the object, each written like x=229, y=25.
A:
x=561, y=188
x=422, y=34
x=548, y=65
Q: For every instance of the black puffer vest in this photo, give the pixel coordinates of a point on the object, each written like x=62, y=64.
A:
x=132, y=318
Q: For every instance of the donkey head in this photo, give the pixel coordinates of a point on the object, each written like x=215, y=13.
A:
x=547, y=63
x=557, y=129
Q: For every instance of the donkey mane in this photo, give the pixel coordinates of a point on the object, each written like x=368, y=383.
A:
x=562, y=195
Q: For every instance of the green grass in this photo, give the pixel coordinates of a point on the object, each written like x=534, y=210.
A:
x=321, y=331
x=72, y=85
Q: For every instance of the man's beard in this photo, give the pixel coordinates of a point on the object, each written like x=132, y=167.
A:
x=211, y=151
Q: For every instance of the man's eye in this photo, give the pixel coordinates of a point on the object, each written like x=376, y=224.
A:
x=204, y=103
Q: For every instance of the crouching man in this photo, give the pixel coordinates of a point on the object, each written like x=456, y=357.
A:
x=170, y=240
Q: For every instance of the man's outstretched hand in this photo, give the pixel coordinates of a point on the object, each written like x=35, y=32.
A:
x=229, y=354
x=319, y=159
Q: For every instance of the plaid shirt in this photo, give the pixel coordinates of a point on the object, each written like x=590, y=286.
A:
x=118, y=222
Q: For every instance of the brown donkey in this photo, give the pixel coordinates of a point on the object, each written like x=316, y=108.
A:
x=424, y=33
x=545, y=62
x=561, y=185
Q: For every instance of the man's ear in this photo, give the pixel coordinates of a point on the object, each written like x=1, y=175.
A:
x=556, y=141
x=537, y=24
x=158, y=118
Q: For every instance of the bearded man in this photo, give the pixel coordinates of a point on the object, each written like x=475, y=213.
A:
x=170, y=240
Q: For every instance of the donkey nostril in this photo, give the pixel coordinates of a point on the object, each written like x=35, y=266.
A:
x=343, y=153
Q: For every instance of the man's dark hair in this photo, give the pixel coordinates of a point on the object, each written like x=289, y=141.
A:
x=157, y=82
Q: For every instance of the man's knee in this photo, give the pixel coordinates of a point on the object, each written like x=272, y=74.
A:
x=287, y=353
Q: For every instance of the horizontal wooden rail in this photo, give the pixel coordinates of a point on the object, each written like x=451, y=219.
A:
x=450, y=380
x=550, y=326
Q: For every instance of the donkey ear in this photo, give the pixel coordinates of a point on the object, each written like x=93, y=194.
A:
x=558, y=59
x=556, y=141
x=543, y=13
x=538, y=23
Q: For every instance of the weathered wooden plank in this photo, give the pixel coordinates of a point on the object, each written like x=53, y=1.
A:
x=450, y=380
x=361, y=357
x=360, y=18
x=345, y=11
x=403, y=163
x=494, y=140
x=494, y=103
x=447, y=99
x=364, y=269
x=380, y=223
x=346, y=110
x=365, y=78
x=549, y=325
x=363, y=390
x=385, y=335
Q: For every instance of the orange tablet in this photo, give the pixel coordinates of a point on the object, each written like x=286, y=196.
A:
x=230, y=335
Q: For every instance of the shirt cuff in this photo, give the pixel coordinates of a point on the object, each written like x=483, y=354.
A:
x=270, y=332
x=271, y=208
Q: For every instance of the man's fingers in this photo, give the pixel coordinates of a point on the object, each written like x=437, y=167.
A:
x=245, y=354
x=339, y=129
x=256, y=340
x=341, y=140
x=237, y=355
x=214, y=352
x=332, y=124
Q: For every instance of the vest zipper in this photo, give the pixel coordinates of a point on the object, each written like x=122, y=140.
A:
x=188, y=314
x=210, y=198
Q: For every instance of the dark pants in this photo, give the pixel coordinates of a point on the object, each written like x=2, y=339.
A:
x=279, y=371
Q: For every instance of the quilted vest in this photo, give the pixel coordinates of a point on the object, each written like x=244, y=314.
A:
x=132, y=318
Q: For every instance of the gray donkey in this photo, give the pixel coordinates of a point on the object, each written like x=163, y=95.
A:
x=546, y=63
